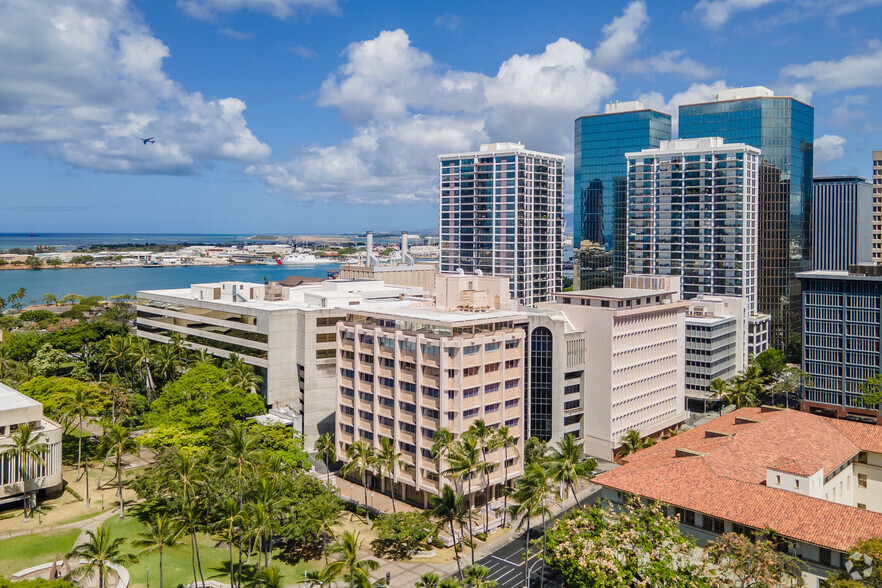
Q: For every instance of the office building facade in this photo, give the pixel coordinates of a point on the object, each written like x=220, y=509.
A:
x=633, y=358
x=841, y=333
x=406, y=370
x=600, y=176
x=842, y=208
x=288, y=335
x=782, y=128
x=692, y=212
x=877, y=206
x=502, y=214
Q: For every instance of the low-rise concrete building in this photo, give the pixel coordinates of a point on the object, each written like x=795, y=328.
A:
x=816, y=481
x=287, y=334
x=16, y=409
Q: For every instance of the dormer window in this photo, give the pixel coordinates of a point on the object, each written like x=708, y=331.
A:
x=797, y=484
x=778, y=480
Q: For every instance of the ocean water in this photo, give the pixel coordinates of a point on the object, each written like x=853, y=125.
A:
x=111, y=281
x=68, y=241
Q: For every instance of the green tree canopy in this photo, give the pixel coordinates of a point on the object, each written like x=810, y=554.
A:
x=401, y=533
x=771, y=362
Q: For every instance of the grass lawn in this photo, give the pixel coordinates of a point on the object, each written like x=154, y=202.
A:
x=19, y=553
x=176, y=565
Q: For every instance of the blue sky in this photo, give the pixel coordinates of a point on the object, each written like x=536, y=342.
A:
x=296, y=116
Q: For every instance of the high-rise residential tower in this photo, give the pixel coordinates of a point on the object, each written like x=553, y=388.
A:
x=877, y=206
x=692, y=212
x=601, y=141
x=841, y=213
x=783, y=129
x=502, y=214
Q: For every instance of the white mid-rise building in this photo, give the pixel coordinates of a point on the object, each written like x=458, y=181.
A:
x=692, y=212
x=288, y=334
x=634, y=356
x=721, y=337
x=502, y=214
x=16, y=410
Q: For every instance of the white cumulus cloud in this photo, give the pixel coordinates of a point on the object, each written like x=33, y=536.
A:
x=862, y=70
x=83, y=79
x=622, y=35
x=829, y=148
x=281, y=9
x=694, y=94
x=716, y=13
x=406, y=109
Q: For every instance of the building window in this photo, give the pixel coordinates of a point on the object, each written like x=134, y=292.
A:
x=687, y=517
x=825, y=557
x=541, y=348
x=862, y=457
x=712, y=524
x=862, y=481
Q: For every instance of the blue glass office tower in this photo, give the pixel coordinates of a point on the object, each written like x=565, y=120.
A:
x=783, y=129
x=601, y=192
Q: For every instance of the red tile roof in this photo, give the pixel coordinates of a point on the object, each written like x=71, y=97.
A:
x=726, y=476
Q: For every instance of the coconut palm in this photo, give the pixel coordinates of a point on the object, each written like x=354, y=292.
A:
x=428, y=580
x=191, y=522
x=241, y=375
x=81, y=405
x=567, y=465
x=319, y=578
x=201, y=356
x=486, y=438
x=326, y=447
x=450, y=583
x=27, y=449
x=358, y=570
x=161, y=532
x=386, y=460
x=442, y=442
x=740, y=394
x=506, y=440
x=476, y=577
x=228, y=521
x=631, y=443
x=464, y=458
x=96, y=554
x=142, y=355
x=176, y=340
x=718, y=387
x=448, y=508
x=166, y=362
x=117, y=442
x=361, y=459
x=117, y=354
x=531, y=494
x=239, y=455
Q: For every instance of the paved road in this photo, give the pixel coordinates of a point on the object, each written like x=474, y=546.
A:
x=507, y=563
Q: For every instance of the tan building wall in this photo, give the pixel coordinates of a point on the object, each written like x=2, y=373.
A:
x=404, y=385
x=421, y=275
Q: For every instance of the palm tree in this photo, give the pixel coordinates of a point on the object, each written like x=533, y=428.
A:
x=161, y=533
x=27, y=449
x=319, y=578
x=269, y=577
x=476, y=577
x=99, y=551
x=361, y=458
x=486, y=438
x=117, y=354
x=201, y=356
x=240, y=453
x=326, y=447
x=450, y=583
x=386, y=460
x=442, y=442
x=142, y=354
x=166, y=362
x=740, y=394
x=464, y=459
x=448, y=508
x=176, y=340
x=428, y=580
x=752, y=378
x=505, y=440
x=631, y=443
x=358, y=570
x=717, y=388
x=229, y=519
x=116, y=442
x=81, y=405
x=566, y=466
x=190, y=519
x=531, y=493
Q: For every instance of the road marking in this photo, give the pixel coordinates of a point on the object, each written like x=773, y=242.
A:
x=511, y=563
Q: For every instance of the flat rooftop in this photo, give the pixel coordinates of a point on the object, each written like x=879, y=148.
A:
x=613, y=293
x=11, y=399
x=432, y=314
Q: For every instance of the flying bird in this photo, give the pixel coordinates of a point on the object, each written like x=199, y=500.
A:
x=147, y=140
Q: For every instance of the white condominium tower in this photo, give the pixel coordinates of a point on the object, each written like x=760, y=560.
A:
x=502, y=214
x=692, y=212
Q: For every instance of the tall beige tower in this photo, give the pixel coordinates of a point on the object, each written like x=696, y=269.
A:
x=877, y=207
